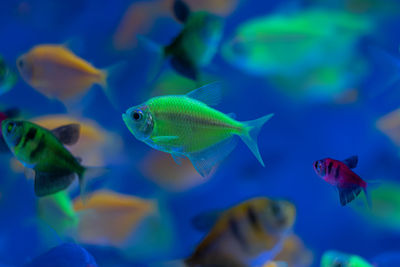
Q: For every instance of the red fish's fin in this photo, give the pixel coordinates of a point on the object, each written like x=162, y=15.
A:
x=368, y=198
x=348, y=194
x=351, y=162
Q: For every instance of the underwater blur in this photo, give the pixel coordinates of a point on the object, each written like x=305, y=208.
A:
x=219, y=133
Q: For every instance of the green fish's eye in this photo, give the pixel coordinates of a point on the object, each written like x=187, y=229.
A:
x=137, y=115
x=276, y=209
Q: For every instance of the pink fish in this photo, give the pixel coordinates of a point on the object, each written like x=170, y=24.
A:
x=340, y=174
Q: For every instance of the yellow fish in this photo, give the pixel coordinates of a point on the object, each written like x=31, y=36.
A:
x=249, y=233
x=109, y=218
x=58, y=73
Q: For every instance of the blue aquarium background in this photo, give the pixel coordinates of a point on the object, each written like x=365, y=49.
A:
x=306, y=127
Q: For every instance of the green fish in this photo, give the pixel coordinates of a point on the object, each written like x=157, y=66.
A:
x=186, y=126
x=43, y=151
x=197, y=43
x=283, y=44
x=8, y=78
x=335, y=258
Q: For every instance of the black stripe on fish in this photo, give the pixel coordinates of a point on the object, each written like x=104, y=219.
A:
x=29, y=136
x=18, y=141
x=197, y=120
x=252, y=216
x=234, y=227
x=41, y=145
x=330, y=167
x=337, y=172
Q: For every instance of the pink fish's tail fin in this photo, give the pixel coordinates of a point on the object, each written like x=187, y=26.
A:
x=370, y=185
x=368, y=197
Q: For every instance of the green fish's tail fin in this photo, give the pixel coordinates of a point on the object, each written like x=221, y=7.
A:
x=109, y=81
x=87, y=174
x=160, y=55
x=250, y=136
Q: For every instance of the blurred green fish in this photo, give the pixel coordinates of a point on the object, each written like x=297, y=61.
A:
x=186, y=125
x=283, y=44
x=386, y=206
x=43, y=151
x=197, y=43
x=335, y=258
x=8, y=78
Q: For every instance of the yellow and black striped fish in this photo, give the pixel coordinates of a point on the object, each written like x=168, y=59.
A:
x=239, y=235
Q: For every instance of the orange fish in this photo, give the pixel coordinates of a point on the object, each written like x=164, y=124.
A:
x=109, y=218
x=58, y=73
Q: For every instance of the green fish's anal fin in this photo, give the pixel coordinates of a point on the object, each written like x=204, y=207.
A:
x=205, y=160
x=67, y=134
x=250, y=137
x=161, y=140
x=184, y=68
x=48, y=183
x=205, y=221
x=209, y=94
x=181, y=11
x=177, y=158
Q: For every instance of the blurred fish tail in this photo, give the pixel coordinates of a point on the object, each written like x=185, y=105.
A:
x=87, y=174
x=158, y=51
x=389, y=66
x=108, y=82
x=250, y=136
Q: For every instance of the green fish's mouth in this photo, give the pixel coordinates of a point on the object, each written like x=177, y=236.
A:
x=127, y=122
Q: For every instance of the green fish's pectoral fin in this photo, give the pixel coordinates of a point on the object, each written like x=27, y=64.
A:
x=351, y=162
x=47, y=183
x=67, y=134
x=177, y=158
x=250, y=137
x=164, y=140
x=184, y=68
x=181, y=11
x=209, y=94
x=204, y=222
x=205, y=160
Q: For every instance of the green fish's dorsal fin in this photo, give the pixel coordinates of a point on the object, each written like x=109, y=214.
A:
x=205, y=221
x=177, y=158
x=351, y=162
x=67, y=134
x=232, y=115
x=184, y=68
x=181, y=11
x=47, y=183
x=209, y=94
x=205, y=160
